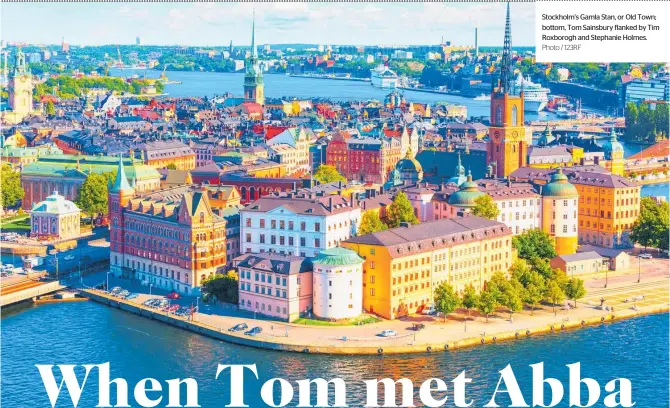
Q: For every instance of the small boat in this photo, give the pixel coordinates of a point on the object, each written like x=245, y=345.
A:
x=483, y=97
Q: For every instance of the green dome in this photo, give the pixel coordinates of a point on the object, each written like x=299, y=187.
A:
x=559, y=186
x=409, y=163
x=465, y=197
x=337, y=257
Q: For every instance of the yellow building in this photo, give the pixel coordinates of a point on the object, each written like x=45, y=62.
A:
x=404, y=265
x=614, y=155
x=559, y=212
x=608, y=207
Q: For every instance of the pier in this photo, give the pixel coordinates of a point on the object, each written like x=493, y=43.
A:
x=27, y=289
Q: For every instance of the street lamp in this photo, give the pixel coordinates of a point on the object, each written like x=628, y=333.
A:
x=639, y=268
x=150, y=286
x=606, y=271
x=107, y=286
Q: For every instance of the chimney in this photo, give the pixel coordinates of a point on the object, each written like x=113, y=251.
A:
x=339, y=184
x=381, y=190
x=330, y=203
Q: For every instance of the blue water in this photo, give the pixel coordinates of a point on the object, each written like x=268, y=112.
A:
x=78, y=333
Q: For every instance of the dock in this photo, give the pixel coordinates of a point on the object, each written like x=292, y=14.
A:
x=27, y=289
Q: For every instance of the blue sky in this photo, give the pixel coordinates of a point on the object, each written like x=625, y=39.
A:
x=276, y=23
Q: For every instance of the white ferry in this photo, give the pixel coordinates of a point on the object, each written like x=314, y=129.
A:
x=383, y=77
x=482, y=97
x=535, y=96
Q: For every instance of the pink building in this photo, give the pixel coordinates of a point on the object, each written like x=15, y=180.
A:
x=275, y=285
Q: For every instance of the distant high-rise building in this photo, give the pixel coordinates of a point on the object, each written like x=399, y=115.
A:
x=65, y=47
x=138, y=41
x=253, y=78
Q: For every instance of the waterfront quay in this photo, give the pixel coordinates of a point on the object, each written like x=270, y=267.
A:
x=624, y=297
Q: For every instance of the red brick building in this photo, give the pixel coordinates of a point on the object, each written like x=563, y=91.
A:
x=364, y=159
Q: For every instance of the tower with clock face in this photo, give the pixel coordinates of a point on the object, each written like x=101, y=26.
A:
x=507, y=146
x=21, y=88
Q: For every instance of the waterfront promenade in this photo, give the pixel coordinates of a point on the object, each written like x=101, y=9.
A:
x=215, y=320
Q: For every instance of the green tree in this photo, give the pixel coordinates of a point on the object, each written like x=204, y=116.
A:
x=328, y=174
x=533, y=283
x=223, y=287
x=399, y=211
x=370, y=222
x=10, y=186
x=171, y=166
x=534, y=243
x=470, y=300
x=50, y=109
x=575, y=290
x=554, y=294
x=445, y=299
x=485, y=207
x=93, y=194
x=652, y=226
x=487, y=303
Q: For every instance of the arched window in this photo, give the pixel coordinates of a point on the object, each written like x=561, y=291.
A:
x=514, y=115
x=243, y=192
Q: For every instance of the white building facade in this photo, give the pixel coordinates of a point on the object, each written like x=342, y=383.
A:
x=301, y=226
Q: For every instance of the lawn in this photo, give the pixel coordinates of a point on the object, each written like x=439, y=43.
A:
x=19, y=223
x=351, y=322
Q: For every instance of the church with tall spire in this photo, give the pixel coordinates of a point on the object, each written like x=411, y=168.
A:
x=20, y=91
x=253, y=76
x=507, y=148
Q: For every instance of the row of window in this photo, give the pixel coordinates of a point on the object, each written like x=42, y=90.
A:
x=261, y=277
x=262, y=290
x=262, y=307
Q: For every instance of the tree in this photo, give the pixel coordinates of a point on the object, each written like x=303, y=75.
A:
x=534, y=243
x=224, y=287
x=50, y=109
x=485, y=207
x=575, y=289
x=533, y=283
x=93, y=194
x=328, y=174
x=652, y=226
x=554, y=294
x=445, y=299
x=470, y=300
x=370, y=222
x=171, y=166
x=400, y=211
x=510, y=296
x=10, y=186
x=487, y=303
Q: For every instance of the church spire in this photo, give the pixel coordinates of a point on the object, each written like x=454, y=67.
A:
x=254, y=52
x=121, y=182
x=506, y=63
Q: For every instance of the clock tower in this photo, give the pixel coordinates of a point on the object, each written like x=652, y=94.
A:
x=253, y=77
x=507, y=147
x=21, y=88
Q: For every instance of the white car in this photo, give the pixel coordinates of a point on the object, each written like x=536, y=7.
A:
x=645, y=256
x=428, y=310
x=388, y=333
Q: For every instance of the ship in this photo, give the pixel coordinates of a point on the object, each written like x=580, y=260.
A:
x=483, y=97
x=535, y=95
x=383, y=77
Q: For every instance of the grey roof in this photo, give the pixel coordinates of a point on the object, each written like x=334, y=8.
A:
x=322, y=205
x=277, y=263
x=581, y=256
x=438, y=234
x=604, y=252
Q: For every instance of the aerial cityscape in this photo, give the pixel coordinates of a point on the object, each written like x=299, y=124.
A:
x=165, y=206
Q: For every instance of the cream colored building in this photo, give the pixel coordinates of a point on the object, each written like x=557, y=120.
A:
x=55, y=218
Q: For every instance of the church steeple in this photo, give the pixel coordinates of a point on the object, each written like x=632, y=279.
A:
x=253, y=78
x=506, y=73
x=254, y=51
x=121, y=182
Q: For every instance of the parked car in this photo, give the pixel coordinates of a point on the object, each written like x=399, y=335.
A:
x=238, y=327
x=429, y=309
x=115, y=290
x=418, y=326
x=388, y=333
x=122, y=294
x=69, y=257
x=173, y=295
x=254, y=332
x=132, y=296
x=645, y=256
x=162, y=303
x=172, y=308
x=184, y=311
